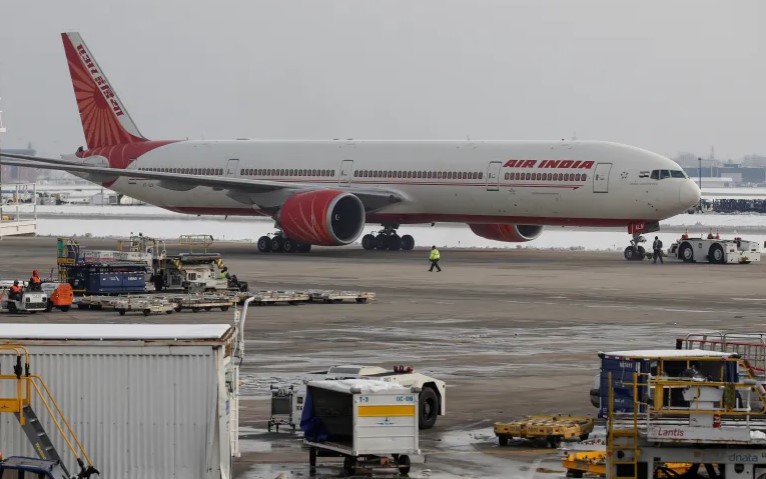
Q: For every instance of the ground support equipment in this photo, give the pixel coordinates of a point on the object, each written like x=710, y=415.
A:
x=147, y=306
x=545, y=430
x=337, y=296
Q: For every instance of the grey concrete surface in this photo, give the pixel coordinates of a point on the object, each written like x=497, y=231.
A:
x=513, y=332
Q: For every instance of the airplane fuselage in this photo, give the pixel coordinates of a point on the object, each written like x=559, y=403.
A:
x=524, y=182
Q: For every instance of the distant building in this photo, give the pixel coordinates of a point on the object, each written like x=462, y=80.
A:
x=19, y=174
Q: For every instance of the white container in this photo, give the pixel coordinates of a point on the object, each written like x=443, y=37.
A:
x=363, y=417
x=147, y=400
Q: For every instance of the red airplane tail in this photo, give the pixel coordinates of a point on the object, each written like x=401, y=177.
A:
x=105, y=121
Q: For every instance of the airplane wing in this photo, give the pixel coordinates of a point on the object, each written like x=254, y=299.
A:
x=245, y=190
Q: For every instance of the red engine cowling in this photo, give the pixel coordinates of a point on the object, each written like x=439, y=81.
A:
x=508, y=233
x=322, y=217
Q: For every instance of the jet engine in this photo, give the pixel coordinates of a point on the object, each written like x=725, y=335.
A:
x=322, y=217
x=507, y=233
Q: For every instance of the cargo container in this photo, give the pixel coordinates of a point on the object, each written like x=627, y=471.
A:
x=147, y=400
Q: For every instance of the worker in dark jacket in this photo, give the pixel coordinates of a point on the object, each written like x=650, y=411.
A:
x=15, y=292
x=657, y=248
x=35, y=283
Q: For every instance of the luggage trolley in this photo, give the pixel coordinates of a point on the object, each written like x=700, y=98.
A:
x=286, y=407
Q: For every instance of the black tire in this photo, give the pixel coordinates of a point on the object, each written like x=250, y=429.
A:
x=49, y=307
x=715, y=255
x=502, y=439
x=264, y=244
x=65, y=308
x=224, y=308
x=12, y=307
x=368, y=242
x=640, y=253
x=394, y=243
x=121, y=311
x=381, y=241
x=408, y=243
x=349, y=465
x=289, y=246
x=170, y=311
x=574, y=473
x=428, y=402
x=584, y=436
x=403, y=463
x=276, y=244
x=686, y=253
x=361, y=300
x=208, y=308
x=195, y=310
x=178, y=309
x=146, y=312
x=82, y=306
x=553, y=441
x=630, y=253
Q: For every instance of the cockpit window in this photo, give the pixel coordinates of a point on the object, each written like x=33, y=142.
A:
x=655, y=175
x=664, y=174
x=677, y=174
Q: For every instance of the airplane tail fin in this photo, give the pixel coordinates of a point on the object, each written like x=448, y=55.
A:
x=105, y=121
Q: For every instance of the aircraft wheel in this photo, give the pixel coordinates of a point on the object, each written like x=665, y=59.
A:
x=264, y=244
x=640, y=253
x=276, y=244
x=289, y=246
x=380, y=241
x=408, y=243
x=368, y=242
x=630, y=253
x=394, y=243
x=715, y=255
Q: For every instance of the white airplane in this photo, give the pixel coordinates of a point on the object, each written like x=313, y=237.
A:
x=325, y=192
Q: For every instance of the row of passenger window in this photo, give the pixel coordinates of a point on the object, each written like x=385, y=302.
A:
x=439, y=175
x=285, y=172
x=187, y=171
x=546, y=176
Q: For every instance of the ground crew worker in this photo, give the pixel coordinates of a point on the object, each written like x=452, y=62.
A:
x=224, y=274
x=15, y=292
x=657, y=247
x=35, y=283
x=434, y=258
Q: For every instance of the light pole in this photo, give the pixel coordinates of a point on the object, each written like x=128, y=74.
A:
x=700, y=172
x=2, y=130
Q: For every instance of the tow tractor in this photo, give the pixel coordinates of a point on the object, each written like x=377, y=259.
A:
x=31, y=390
x=30, y=301
x=715, y=250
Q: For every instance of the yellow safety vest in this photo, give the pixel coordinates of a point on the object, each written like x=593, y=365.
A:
x=435, y=255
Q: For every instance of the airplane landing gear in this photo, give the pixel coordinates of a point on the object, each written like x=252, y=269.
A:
x=388, y=239
x=278, y=243
x=636, y=252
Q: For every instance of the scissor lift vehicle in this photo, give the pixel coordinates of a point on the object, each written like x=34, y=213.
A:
x=663, y=416
x=31, y=389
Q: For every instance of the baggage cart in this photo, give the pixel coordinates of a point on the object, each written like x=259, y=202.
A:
x=549, y=430
x=367, y=422
x=286, y=407
x=146, y=306
x=334, y=296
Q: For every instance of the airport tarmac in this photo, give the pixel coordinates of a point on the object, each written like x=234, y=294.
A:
x=513, y=332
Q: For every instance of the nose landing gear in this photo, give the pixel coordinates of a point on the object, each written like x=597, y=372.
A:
x=635, y=252
x=388, y=239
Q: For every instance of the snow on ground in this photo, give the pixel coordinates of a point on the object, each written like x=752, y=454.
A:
x=122, y=221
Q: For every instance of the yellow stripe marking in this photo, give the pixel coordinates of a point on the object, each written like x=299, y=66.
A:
x=378, y=411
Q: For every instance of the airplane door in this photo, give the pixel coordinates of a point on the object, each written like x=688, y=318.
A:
x=601, y=178
x=232, y=168
x=493, y=175
x=346, y=170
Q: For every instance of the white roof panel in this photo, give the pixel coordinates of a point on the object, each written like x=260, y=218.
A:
x=668, y=353
x=359, y=386
x=102, y=331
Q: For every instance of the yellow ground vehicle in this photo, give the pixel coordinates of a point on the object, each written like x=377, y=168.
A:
x=549, y=430
x=580, y=463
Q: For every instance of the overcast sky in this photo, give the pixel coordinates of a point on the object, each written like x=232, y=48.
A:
x=669, y=76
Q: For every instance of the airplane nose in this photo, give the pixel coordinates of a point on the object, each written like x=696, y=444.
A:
x=689, y=194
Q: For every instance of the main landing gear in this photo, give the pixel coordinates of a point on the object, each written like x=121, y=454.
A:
x=279, y=243
x=636, y=252
x=387, y=239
